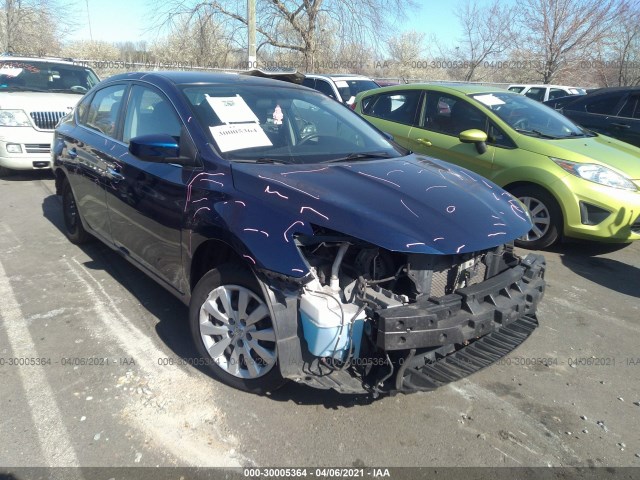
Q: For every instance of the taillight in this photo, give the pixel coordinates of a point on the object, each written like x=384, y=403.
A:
x=353, y=105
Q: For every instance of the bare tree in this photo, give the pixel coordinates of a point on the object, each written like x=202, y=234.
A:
x=487, y=33
x=626, y=47
x=29, y=27
x=406, y=52
x=296, y=25
x=559, y=33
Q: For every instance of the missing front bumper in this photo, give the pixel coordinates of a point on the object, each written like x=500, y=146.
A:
x=467, y=314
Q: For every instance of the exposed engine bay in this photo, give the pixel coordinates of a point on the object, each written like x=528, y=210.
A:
x=383, y=316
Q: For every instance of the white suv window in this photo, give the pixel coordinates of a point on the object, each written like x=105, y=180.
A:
x=34, y=76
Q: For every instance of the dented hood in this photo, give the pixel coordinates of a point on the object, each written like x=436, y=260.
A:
x=411, y=204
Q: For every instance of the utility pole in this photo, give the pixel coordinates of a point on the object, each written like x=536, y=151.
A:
x=251, y=24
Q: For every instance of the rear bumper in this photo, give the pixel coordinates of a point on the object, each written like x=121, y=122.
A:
x=467, y=314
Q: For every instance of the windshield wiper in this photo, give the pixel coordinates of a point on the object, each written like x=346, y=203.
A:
x=359, y=156
x=260, y=160
x=537, y=133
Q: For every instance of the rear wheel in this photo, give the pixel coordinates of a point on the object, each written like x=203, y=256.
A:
x=233, y=330
x=546, y=217
x=74, y=230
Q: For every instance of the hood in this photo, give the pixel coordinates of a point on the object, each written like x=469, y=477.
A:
x=607, y=151
x=411, y=204
x=39, y=101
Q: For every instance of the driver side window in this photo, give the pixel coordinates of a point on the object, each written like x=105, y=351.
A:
x=451, y=115
x=150, y=113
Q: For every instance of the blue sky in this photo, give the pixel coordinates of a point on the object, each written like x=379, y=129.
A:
x=136, y=17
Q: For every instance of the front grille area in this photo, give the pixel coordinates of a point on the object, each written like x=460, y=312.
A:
x=37, y=147
x=445, y=280
x=46, y=120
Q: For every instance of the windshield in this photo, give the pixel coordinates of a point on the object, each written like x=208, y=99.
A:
x=284, y=125
x=25, y=75
x=350, y=88
x=529, y=117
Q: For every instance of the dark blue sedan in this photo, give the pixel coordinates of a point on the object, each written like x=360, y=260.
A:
x=307, y=244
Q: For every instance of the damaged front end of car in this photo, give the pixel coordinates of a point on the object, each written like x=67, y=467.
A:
x=370, y=320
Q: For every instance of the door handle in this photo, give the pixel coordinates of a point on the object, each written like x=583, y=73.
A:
x=114, y=175
x=621, y=125
x=424, y=141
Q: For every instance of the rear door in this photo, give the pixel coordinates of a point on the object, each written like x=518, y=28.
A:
x=86, y=157
x=626, y=126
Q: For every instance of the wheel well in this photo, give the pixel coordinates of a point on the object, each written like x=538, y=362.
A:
x=209, y=255
x=510, y=187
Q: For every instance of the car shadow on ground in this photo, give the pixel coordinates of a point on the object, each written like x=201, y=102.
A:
x=590, y=260
x=28, y=175
x=173, y=326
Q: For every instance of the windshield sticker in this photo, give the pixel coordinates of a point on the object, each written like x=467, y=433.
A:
x=237, y=137
x=10, y=71
x=232, y=109
x=9, y=66
x=489, y=100
x=277, y=115
x=342, y=84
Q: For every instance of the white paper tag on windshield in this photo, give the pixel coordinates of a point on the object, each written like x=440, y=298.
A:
x=237, y=137
x=489, y=100
x=232, y=109
x=10, y=71
x=342, y=84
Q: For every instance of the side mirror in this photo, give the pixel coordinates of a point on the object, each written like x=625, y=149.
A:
x=155, y=148
x=475, y=136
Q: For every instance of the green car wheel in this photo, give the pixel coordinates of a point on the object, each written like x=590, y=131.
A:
x=546, y=217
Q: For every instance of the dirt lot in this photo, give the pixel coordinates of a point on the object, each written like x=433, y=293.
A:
x=108, y=380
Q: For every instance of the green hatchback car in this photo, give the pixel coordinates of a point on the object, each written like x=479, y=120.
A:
x=575, y=183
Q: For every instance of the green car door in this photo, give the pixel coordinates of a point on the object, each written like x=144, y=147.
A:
x=447, y=128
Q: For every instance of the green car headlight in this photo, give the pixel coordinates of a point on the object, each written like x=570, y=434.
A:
x=14, y=118
x=596, y=173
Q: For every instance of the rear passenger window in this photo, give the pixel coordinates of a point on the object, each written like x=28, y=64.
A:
x=604, y=105
x=325, y=88
x=102, y=114
x=557, y=93
x=399, y=107
x=631, y=109
x=536, y=93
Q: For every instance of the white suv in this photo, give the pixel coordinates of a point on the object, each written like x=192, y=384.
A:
x=340, y=87
x=542, y=93
x=34, y=94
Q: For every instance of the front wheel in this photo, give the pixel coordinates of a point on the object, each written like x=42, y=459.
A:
x=233, y=330
x=546, y=217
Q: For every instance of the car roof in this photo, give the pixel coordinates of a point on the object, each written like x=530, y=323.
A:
x=65, y=61
x=338, y=76
x=464, y=89
x=602, y=91
x=190, y=78
x=541, y=85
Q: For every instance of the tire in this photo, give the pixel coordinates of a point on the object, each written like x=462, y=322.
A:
x=74, y=230
x=545, y=214
x=227, y=314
